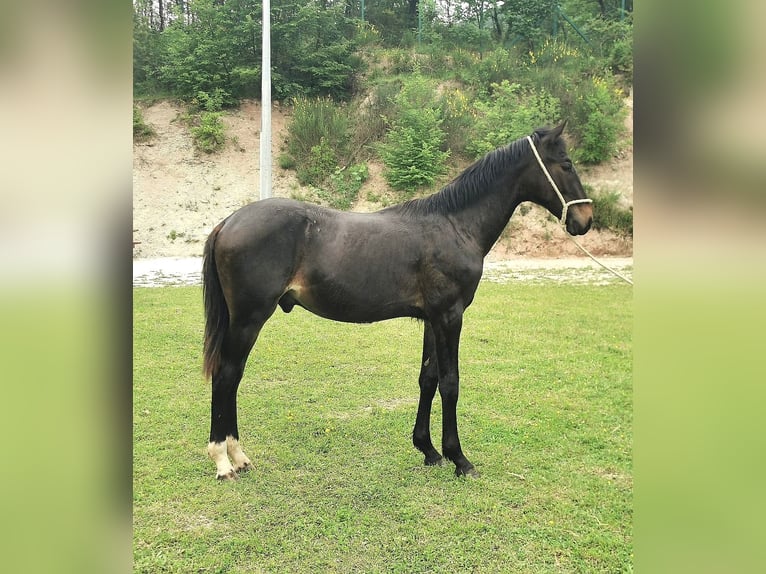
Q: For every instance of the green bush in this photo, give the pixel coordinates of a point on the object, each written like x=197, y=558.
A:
x=210, y=135
x=402, y=61
x=609, y=214
x=621, y=58
x=494, y=68
x=344, y=186
x=212, y=101
x=598, y=120
x=412, y=151
x=465, y=36
x=286, y=161
x=319, y=164
x=511, y=113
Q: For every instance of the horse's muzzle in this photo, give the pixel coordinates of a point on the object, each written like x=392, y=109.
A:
x=579, y=219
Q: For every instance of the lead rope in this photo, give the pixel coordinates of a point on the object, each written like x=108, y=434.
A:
x=565, y=209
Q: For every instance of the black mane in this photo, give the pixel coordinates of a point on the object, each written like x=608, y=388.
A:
x=472, y=183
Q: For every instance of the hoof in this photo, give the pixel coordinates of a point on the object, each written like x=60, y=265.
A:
x=230, y=476
x=434, y=461
x=470, y=472
x=244, y=468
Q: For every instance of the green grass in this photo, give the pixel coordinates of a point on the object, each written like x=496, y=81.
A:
x=326, y=413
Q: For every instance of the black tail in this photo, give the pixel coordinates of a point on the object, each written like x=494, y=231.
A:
x=216, y=311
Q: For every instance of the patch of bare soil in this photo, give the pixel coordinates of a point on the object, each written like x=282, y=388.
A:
x=180, y=194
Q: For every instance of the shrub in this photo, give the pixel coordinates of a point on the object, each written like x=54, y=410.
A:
x=319, y=164
x=511, y=113
x=286, y=161
x=621, y=58
x=495, y=67
x=556, y=67
x=209, y=136
x=412, y=151
x=612, y=42
x=609, y=214
x=599, y=116
x=344, y=186
x=213, y=101
x=402, y=61
x=465, y=36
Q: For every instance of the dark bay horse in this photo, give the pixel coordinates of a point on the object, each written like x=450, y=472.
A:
x=420, y=259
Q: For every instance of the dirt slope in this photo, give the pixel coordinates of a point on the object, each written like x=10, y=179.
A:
x=180, y=194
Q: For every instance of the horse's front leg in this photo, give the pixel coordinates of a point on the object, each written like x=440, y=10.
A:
x=447, y=336
x=428, y=381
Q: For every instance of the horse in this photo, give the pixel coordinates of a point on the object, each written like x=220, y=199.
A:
x=422, y=259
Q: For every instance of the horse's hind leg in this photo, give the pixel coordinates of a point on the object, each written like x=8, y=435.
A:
x=224, y=446
x=428, y=381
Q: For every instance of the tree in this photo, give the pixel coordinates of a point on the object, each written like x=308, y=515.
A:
x=529, y=21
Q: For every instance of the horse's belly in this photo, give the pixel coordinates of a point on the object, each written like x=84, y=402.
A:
x=360, y=306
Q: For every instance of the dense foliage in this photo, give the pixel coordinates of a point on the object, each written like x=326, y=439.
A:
x=201, y=45
x=460, y=80
x=182, y=47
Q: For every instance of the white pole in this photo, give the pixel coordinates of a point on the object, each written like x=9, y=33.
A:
x=266, y=102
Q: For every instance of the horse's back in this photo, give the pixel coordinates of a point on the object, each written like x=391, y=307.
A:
x=262, y=220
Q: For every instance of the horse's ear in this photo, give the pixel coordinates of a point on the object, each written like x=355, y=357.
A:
x=556, y=132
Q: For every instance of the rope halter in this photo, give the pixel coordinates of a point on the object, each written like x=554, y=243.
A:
x=565, y=204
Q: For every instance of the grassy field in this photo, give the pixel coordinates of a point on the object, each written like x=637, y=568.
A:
x=326, y=413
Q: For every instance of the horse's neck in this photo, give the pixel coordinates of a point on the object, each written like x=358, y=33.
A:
x=485, y=219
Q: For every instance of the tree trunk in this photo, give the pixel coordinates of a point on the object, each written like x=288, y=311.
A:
x=412, y=10
x=496, y=21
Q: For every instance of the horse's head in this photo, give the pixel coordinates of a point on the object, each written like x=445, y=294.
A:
x=566, y=199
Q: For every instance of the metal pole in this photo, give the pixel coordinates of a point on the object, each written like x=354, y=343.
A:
x=266, y=102
x=362, y=10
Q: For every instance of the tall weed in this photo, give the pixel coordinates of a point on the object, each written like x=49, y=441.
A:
x=317, y=167
x=317, y=122
x=372, y=117
x=458, y=118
